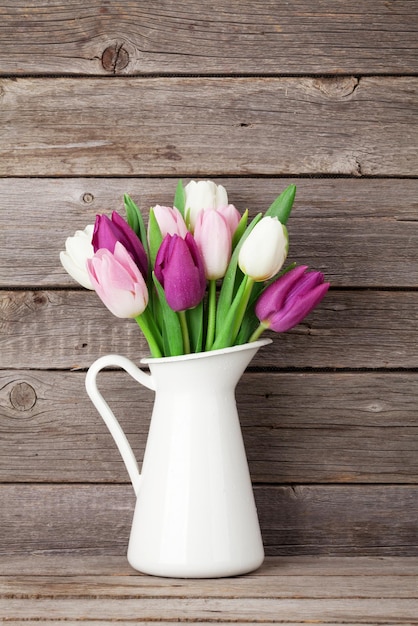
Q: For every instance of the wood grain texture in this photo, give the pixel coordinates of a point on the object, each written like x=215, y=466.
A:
x=197, y=611
x=337, y=590
x=298, y=428
x=349, y=329
x=41, y=564
x=334, y=520
x=254, y=586
x=189, y=37
x=241, y=126
x=346, y=228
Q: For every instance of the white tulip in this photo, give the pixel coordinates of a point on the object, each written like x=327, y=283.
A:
x=202, y=195
x=77, y=250
x=265, y=249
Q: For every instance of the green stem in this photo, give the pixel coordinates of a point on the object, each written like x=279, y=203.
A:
x=184, y=331
x=242, y=307
x=258, y=331
x=211, y=314
x=151, y=334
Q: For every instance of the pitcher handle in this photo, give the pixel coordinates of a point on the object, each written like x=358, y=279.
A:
x=112, y=360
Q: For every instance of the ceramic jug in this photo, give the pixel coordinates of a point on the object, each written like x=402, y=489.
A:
x=195, y=515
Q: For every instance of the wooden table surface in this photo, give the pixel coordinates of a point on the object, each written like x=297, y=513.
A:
x=42, y=589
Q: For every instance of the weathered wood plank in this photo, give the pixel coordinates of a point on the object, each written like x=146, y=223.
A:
x=267, y=38
x=314, y=582
x=270, y=126
x=70, y=329
x=59, y=565
x=347, y=228
x=305, y=428
x=44, y=586
x=186, y=610
x=104, y=622
x=331, y=520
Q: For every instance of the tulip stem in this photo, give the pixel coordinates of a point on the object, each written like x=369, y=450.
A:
x=185, y=331
x=148, y=327
x=258, y=331
x=211, y=314
x=242, y=306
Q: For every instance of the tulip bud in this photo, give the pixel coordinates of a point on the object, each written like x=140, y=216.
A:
x=180, y=271
x=107, y=232
x=287, y=301
x=77, y=250
x=232, y=216
x=265, y=249
x=170, y=221
x=118, y=281
x=213, y=238
x=203, y=195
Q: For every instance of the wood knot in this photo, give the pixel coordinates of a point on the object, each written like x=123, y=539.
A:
x=88, y=198
x=23, y=397
x=115, y=58
x=337, y=88
x=40, y=299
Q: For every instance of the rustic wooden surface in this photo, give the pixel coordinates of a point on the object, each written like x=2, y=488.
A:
x=337, y=519
x=63, y=126
x=40, y=589
x=98, y=99
x=240, y=37
x=367, y=436
x=328, y=226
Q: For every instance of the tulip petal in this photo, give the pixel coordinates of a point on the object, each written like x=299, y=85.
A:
x=290, y=298
x=214, y=240
x=77, y=250
x=74, y=270
x=179, y=268
x=265, y=249
x=118, y=282
x=298, y=309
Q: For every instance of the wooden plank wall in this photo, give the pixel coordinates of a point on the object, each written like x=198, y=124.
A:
x=100, y=98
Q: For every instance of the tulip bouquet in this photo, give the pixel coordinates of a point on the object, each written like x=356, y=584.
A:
x=199, y=276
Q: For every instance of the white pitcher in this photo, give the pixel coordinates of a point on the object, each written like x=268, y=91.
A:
x=195, y=515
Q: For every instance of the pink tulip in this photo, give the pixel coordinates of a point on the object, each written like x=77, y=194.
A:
x=170, y=221
x=118, y=281
x=287, y=301
x=180, y=270
x=214, y=239
x=232, y=216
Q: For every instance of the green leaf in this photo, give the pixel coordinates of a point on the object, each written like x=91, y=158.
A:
x=240, y=230
x=228, y=288
x=248, y=326
x=172, y=334
x=195, y=324
x=180, y=197
x=224, y=338
x=135, y=220
x=282, y=205
x=155, y=237
x=146, y=322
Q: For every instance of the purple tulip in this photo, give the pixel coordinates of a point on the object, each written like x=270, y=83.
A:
x=118, y=281
x=288, y=300
x=180, y=270
x=108, y=231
